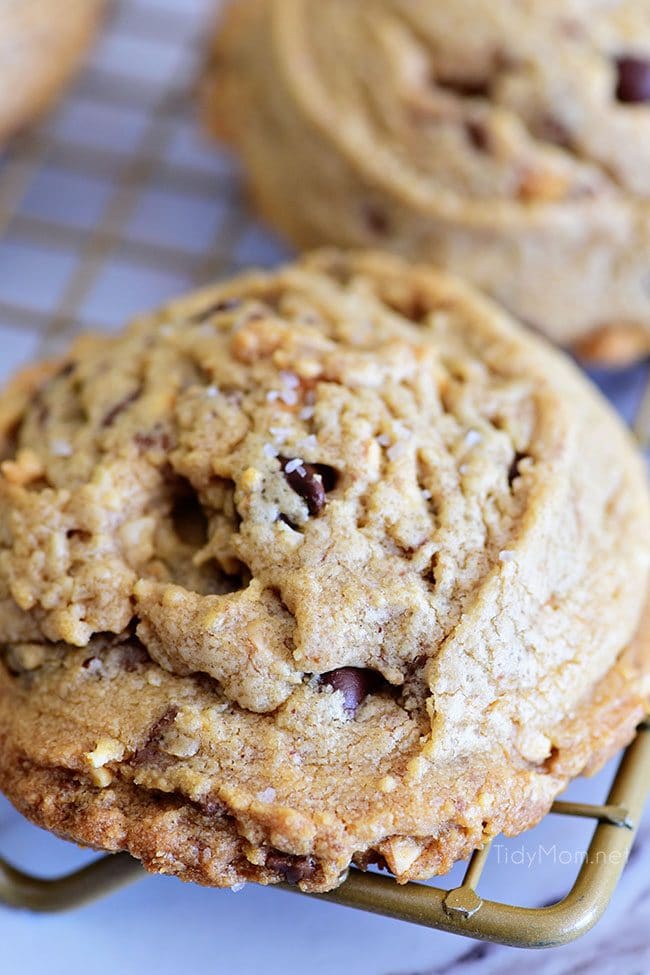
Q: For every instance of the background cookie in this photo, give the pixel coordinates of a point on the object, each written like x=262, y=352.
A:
x=330, y=564
x=509, y=142
x=41, y=43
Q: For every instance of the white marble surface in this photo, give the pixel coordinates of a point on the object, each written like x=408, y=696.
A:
x=181, y=223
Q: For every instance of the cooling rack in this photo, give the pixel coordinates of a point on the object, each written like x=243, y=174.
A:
x=112, y=205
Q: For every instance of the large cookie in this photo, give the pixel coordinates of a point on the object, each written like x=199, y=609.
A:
x=40, y=47
x=326, y=565
x=508, y=141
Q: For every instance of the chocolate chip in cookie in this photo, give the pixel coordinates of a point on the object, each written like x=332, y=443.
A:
x=354, y=683
x=633, y=84
x=291, y=868
x=478, y=135
x=310, y=481
x=376, y=219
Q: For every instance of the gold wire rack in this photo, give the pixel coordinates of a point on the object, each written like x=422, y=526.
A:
x=163, y=105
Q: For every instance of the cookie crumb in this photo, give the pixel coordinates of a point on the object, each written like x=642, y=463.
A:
x=388, y=784
x=106, y=750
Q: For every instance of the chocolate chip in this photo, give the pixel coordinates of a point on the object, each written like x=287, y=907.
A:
x=311, y=482
x=149, y=752
x=113, y=413
x=354, y=683
x=376, y=219
x=328, y=475
x=466, y=87
x=291, y=868
x=513, y=472
x=133, y=655
x=633, y=80
x=478, y=135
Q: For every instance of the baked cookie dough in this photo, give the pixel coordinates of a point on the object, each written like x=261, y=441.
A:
x=334, y=564
x=509, y=142
x=41, y=45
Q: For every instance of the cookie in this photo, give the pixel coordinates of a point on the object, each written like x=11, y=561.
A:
x=508, y=142
x=39, y=50
x=331, y=565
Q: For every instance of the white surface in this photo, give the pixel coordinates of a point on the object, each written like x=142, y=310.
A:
x=175, y=222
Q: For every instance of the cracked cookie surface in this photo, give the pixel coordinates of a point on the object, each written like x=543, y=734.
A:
x=508, y=142
x=327, y=565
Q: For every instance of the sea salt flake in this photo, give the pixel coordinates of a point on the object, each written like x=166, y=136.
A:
x=426, y=494
x=384, y=440
x=272, y=395
x=295, y=465
x=211, y=391
x=279, y=433
x=61, y=448
x=309, y=442
x=396, y=451
x=237, y=887
x=289, y=379
x=472, y=438
x=267, y=795
x=289, y=396
x=269, y=450
x=306, y=413
x=506, y=555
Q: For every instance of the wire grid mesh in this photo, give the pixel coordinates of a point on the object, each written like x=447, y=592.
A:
x=114, y=204
x=111, y=206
